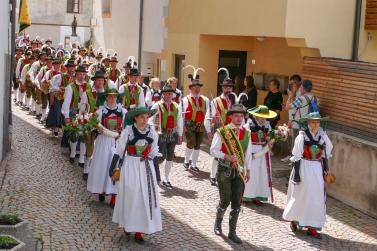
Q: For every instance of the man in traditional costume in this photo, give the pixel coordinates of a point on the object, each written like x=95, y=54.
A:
x=26, y=82
x=111, y=116
x=76, y=101
x=41, y=86
x=196, y=122
x=113, y=73
x=22, y=88
x=232, y=147
x=168, y=123
x=219, y=108
x=306, y=196
x=131, y=93
x=36, y=106
x=259, y=187
x=137, y=208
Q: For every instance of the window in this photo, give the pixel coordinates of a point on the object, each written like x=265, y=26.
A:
x=73, y=6
x=106, y=8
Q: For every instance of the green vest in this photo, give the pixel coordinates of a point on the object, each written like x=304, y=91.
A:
x=75, y=97
x=196, y=109
x=164, y=114
x=101, y=98
x=91, y=99
x=127, y=94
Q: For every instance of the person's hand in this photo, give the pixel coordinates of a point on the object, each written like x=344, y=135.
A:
x=180, y=140
x=100, y=130
x=232, y=158
x=247, y=176
x=210, y=136
x=270, y=145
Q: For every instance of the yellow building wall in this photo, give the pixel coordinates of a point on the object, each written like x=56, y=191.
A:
x=367, y=50
x=324, y=24
x=227, y=17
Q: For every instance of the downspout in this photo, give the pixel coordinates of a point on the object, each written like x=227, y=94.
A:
x=356, y=32
x=140, y=33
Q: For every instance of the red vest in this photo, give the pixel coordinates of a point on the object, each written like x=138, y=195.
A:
x=225, y=104
x=199, y=117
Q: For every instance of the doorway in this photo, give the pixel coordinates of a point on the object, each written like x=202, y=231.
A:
x=235, y=62
x=178, y=65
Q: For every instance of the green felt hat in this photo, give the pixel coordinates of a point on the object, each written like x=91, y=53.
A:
x=130, y=115
x=262, y=111
x=111, y=91
x=237, y=108
x=303, y=122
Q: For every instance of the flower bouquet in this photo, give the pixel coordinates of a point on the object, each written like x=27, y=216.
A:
x=72, y=131
x=278, y=134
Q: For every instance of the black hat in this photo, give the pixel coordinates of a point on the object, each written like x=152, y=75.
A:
x=99, y=55
x=48, y=40
x=237, y=108
x=99, y=74
x=50, y=58
x=114, y=59
x=134, y=72
x=194, y=82
x=56, y=61
x=167, y=88
x=70, y=63
x=81, y=68
x=227, y=82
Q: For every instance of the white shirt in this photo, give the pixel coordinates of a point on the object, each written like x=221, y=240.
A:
x=82, y=106
x=217, y=142
x=141, y=101
x=25, y=70
x=34, y=71
x=214, y=105
x=18, y=67
x=179, y=126
x=207, y=121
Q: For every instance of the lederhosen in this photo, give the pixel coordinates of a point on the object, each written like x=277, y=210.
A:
x=194, y=122
x=143, y=152
x=229, y=181
x=168, y=136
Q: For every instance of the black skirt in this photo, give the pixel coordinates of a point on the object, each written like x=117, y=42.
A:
x=54, y=117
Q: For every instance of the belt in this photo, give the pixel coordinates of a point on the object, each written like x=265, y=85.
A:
x=151, y=188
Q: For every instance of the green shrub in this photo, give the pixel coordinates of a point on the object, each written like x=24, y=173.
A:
x=9, y=219
x=7, y=242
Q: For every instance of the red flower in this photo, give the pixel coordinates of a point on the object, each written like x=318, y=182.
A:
x=85, y=121
x=79, y=121
x=94, y=115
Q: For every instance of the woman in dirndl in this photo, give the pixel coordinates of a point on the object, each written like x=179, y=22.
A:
x=258, y=188
x=137, y=208
x=306, y=197
x=111, y=116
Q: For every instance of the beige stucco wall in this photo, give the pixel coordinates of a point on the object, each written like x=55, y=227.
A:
x=354, y=164
x=367, y=50
x=327, y=25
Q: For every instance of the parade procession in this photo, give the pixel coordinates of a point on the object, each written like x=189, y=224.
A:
x=122, y=133
x=188, y=125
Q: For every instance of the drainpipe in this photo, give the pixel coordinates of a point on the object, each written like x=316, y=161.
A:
x=140, y=32
x=356, y=32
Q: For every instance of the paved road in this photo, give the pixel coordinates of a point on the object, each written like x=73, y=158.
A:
x=43, y=187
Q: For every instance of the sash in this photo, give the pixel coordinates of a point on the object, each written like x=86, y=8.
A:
x=232, y=143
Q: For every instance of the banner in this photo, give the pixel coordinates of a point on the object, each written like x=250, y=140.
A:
x=23, y=17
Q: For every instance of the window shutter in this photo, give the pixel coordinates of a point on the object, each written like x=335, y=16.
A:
x=371, y=15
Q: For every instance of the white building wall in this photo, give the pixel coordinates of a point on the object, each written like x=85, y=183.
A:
x=4, y=53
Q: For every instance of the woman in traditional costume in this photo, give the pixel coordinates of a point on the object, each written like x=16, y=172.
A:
x=111, y=116
x=306, y=197
x=259, y=187
x=137, y=208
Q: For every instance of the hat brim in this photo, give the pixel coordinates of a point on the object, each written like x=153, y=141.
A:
x=164, y=91
x=112, y=93
x=195, y=84
x=232, y=112
x=95, y=77
x=132, y=114
x=303, y=120
x=227, y=84
x=269, y=115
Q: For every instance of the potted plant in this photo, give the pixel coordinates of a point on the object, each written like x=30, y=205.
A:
x=13, y=225
x=10, y=243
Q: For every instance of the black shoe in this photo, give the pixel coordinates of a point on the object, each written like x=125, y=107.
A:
x=111, y=205
x=39, y=116
x=140, y=240
x=213, y=181
x=194, y=168
x=85, y=176
x=101, y=197
x=81, y=165
x=293, y=226
x=169, y=184
x=233, y=237
x=71, y=160
x=186, y=165
x=56, y=134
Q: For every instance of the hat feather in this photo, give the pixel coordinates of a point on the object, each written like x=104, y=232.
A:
x=226, y=71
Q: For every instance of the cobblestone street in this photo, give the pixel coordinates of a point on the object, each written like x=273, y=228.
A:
x=42, y=186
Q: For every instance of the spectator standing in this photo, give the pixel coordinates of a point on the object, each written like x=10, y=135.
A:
x=274, y=101
x=251, y=91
